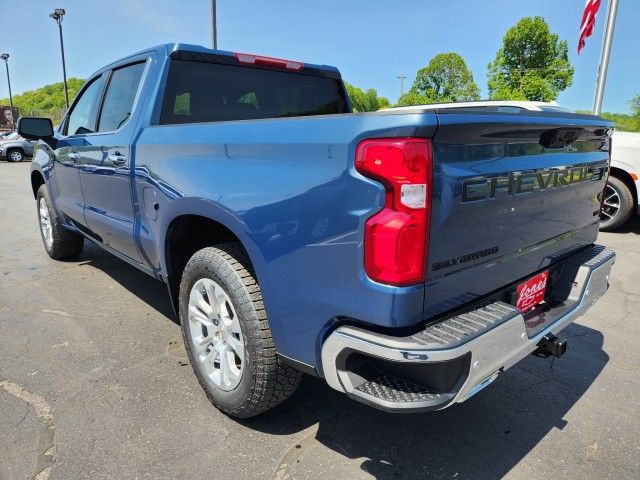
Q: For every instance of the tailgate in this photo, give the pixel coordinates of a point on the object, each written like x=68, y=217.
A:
x=511, y=195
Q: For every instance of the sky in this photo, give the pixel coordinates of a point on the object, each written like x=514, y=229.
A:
x=370, y=41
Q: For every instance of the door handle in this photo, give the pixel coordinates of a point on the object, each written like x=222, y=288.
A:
x=117, y=159
x=73, y=156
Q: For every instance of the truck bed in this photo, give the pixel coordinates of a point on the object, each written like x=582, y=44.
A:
x=302, y=208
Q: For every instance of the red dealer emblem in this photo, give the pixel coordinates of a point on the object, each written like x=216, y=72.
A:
x=531, y=292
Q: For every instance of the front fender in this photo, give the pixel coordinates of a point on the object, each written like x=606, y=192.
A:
x=42, y=163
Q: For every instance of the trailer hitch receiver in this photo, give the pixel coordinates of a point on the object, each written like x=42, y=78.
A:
x=551, y=345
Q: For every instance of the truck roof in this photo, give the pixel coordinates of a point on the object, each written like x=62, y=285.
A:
x=166, y=49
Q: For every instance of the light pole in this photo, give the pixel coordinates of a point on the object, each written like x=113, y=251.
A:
x=402, y=78
x=604, y=58
x=5, y=57
x=57, y=15
x=214, y=27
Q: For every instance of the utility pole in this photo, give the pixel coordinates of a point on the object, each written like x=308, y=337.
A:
x=402, y=78
x=5, y=57
x=214, y=26
x=604, y=58
x=57, y=15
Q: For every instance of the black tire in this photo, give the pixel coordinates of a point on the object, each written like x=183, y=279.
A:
x=15, y=155
x=265, y=381
x=625, y=205
x=65, y=244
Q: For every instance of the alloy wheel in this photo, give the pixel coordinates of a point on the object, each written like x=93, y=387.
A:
x=610, y=205
x=215, y=333
x=45, y=223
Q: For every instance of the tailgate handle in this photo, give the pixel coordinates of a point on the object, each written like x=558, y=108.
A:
x=559, y=137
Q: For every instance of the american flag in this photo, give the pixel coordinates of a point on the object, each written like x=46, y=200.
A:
x=588, y=21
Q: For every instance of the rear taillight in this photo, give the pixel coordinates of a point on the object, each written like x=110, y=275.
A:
x=268, y=61
x=396, y=238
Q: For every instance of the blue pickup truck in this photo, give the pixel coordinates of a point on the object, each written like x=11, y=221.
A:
x=408, y=258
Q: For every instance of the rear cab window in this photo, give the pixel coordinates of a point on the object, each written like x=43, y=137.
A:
x=199, y=91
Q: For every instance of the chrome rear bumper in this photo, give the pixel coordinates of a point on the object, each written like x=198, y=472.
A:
x=452, y=360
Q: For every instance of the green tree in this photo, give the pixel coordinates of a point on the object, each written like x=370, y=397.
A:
x=533, y=64
x=634, y=103
x=414, y=98
x=623, y=121
x=446, y=79
x=366, y=101
x=46, y=101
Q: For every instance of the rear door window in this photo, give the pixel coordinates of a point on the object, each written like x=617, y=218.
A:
x=211, y=92
x=121, y=93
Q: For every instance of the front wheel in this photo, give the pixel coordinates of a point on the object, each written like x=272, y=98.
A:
x=227, y=335
x=59, y=242
x=617, y=205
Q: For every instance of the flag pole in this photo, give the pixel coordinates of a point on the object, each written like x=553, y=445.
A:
x=604, y=57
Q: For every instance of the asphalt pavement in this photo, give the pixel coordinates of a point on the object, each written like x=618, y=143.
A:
x=95, y=383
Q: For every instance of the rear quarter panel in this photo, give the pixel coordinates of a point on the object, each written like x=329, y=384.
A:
x=288, y=189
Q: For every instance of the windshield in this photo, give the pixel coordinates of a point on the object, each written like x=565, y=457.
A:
x=10, y=136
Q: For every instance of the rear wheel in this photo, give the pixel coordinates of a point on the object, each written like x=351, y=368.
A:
x=59, y=242
x=227, y=335
x=617, y=205
x=15, y=155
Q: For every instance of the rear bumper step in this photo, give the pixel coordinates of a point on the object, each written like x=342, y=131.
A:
x=452, y=360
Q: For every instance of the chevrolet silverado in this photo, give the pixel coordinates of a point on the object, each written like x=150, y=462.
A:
x=408, y=258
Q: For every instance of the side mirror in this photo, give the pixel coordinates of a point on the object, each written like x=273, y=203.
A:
x=33, y=128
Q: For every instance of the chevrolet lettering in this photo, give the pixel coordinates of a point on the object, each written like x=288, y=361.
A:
x=516, y=183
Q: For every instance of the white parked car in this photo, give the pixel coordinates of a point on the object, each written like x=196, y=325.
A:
x=491, y=106
x=621, y=193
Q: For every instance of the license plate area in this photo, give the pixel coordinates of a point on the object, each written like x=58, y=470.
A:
x=531, y=292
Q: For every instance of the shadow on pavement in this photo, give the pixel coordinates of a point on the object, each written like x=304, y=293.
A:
x=484, y=437
x=151, y=291
x=632, y=226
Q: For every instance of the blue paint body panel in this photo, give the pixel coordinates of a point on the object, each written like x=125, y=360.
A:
x=287, y=188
